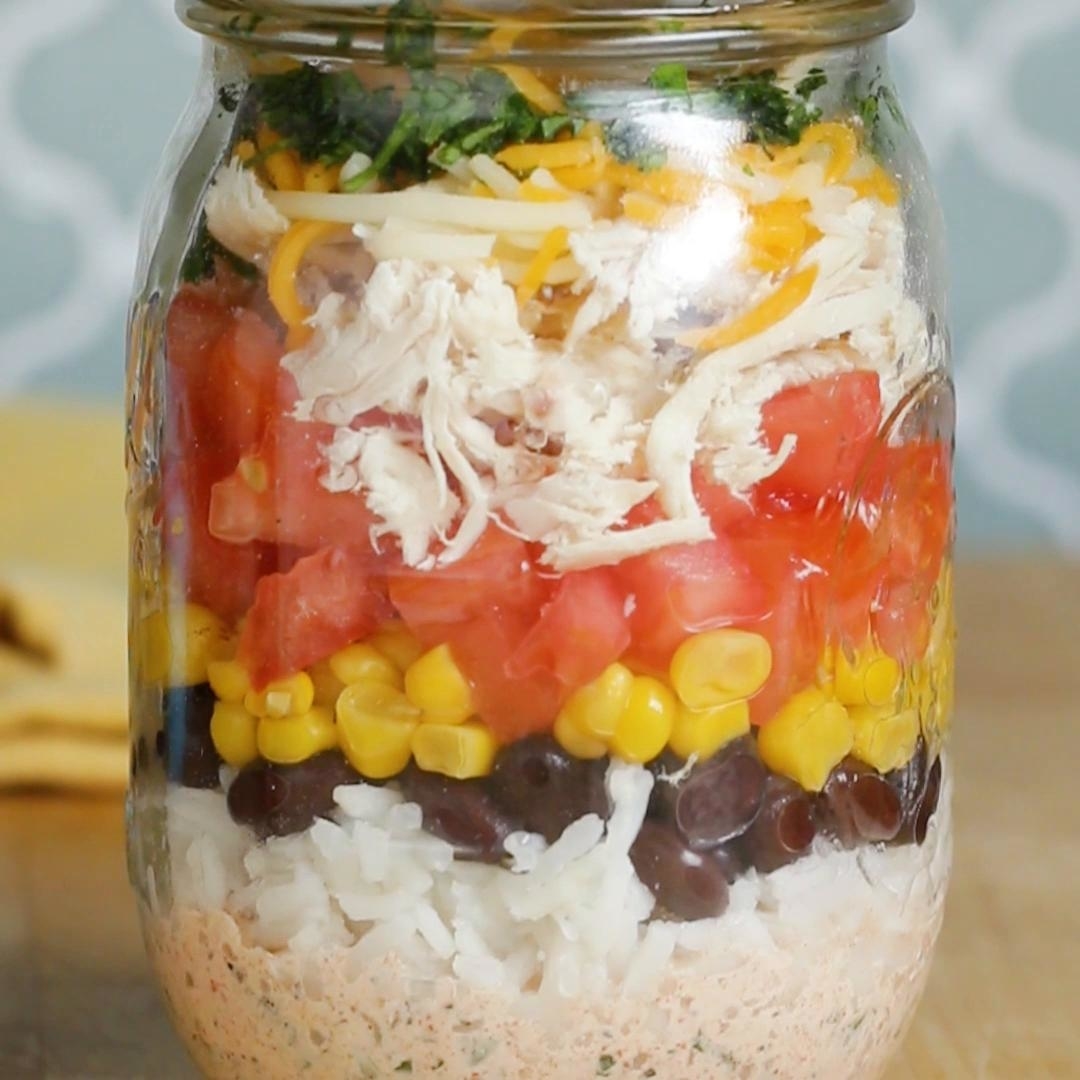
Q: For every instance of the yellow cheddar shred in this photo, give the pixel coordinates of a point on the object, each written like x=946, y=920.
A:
x=644, y=209
x=321, y=178
x=779, y=234
x=281, y=278
x=282, y=166
x=671, y=185
x=555, y=243
x=532, y=192
x=533, y=89
x=524, y=157
x=878, y=185
x=774, y=308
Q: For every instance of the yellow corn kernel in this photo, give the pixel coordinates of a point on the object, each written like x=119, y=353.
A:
x=293, y=696
x=288, y=740
x=461, y=751
x=178, y=644
x=327, y=685
x=884, y=739
x=576, y=742
x=719, y=667
x=872, y=678
x=646, y=724
x=595, y=709
x=285, y=264
x=705, y=731
x=554, y=244
x=245, y=150
x=228, y=679
x=282, y=166
x=773, y=309
x=807, y=739
x=376, y=723
x=524, y=157
x=396, y=643
x=436, y=686
x=364, y=663
x=531, y=88
x=233, y=731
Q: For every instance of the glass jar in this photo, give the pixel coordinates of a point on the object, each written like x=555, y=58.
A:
x=540, y=443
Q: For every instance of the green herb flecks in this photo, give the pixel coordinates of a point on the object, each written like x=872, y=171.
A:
x=410, y=35
x=404, y=1067
x=205, y=252
x=774, y=116
x=605, y=1065
x=670, y=77
x=878, y=109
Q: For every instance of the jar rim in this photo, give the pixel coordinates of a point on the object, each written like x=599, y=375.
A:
x=586, y=30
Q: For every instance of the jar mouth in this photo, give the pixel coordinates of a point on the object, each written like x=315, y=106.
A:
x=551, y=32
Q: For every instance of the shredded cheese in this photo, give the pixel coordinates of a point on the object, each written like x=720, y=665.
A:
x=400, y=240
x=555, y=243
x=838, y=139
x=878, y=185
x=435, y=207
x=524, y=157
x=532, y=88
x=644, y=209
x=531, y=191
x=667, y=183
x=774, y=308
x=321, y=178
x=564, y=271
x=282, y=166
x=778, y=234
x=490, y=173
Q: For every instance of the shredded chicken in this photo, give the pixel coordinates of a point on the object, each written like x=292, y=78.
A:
x=239, y=215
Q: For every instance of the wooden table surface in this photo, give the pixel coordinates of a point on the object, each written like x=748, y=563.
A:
x=1004, y=998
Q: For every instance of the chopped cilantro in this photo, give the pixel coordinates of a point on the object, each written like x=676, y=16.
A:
x=670, y=77
x=605, y=1065
x=632, y=146
x=875, y=109
x=773, y=115
x=410, y=34
x=813, y=81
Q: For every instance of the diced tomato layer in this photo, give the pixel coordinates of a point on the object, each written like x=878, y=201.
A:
x=578, y=633
x=512, y=706
x=325, y=602
x=276, y=495
x=844, y=541
x=496, y=574
x=684, y=589
x=834, y=421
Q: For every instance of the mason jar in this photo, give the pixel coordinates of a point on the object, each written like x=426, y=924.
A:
x=541, y=499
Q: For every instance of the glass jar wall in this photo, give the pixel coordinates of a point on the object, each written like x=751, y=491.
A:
x=540, y=439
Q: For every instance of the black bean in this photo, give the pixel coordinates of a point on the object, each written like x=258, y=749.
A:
x=537, y=783
x=689, y=884
x=910, y=782
x=461, y=812
x=276, y=800
x=929, y=804
x=186, y=746
x=721, y=797
x=784, y=828
x=859, y=804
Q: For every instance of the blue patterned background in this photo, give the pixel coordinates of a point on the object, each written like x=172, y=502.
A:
x=89, y=90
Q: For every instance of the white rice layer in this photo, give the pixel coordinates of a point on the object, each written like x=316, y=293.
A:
x=362, y=945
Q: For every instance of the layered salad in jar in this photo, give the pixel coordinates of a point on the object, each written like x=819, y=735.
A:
x=554, y=648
